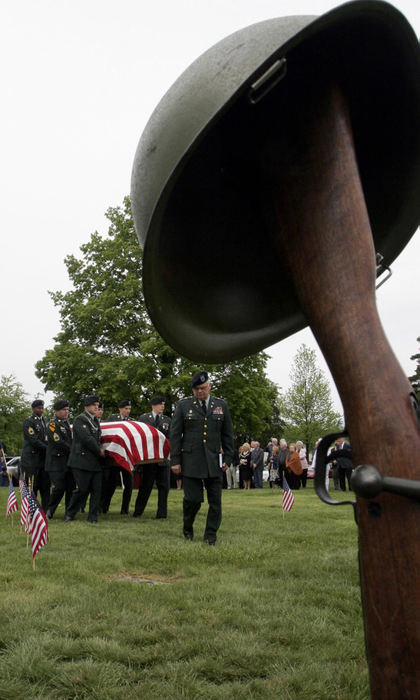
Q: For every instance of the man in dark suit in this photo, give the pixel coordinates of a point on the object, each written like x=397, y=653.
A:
x=58, y=449
x=155, y=472
x=342, y=456
x=201, y=439
x=116, y=475
x=34, y=452
x=86, y=461
x=257, y=462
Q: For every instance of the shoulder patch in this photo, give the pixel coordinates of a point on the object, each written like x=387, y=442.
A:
x=52, y=426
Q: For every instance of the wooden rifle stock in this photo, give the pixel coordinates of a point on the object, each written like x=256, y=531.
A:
x=317, y=215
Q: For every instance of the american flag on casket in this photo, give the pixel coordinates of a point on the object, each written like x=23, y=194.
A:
x=129, y=443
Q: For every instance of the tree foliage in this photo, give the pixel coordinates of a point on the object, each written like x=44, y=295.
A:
x=108, y=344
x=415, y=378
x=14, y=408
x=307, y=406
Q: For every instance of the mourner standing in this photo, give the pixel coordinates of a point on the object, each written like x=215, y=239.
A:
x=201, y=438
x=34, y=452
x=59, y=438
x=118, y=475
x=155, y=472
x=86, y=460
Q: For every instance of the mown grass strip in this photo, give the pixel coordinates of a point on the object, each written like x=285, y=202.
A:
x=272, y=611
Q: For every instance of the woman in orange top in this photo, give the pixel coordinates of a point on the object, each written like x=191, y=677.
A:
x=293, y=467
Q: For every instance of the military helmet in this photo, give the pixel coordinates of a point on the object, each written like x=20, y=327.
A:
x=215, y=287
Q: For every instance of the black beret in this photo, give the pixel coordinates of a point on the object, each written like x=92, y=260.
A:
x=36, y=403
x=124, y=403
x=101, y=404
x=157, y=400
x=61, y=404
x=199, y=378
x=89, y=400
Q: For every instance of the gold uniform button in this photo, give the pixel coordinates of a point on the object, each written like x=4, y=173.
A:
x=204, y=440
x=204, y=433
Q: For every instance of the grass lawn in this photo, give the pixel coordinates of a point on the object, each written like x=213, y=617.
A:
x=273, y=611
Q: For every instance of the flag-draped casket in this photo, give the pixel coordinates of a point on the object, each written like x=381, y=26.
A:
x=130, y=442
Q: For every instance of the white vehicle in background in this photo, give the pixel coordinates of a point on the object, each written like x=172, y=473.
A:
x=13, y=466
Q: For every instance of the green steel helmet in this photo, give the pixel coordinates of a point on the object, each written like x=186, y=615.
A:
x=215, y=287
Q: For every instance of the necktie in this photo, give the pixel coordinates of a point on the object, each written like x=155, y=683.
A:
x=157, y=420
x=204, y=407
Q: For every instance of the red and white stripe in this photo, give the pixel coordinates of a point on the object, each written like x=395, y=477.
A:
x=24, y=513
x=130, y=442
x=39, y=531
x=12, y=504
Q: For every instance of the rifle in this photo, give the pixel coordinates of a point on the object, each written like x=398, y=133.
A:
x=306, y=153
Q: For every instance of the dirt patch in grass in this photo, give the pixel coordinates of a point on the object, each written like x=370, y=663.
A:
x=148, y=579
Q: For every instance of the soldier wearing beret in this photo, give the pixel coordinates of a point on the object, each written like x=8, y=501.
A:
x=114, y=475
x=34, y=452
x=86, y=460
x=59, y=438
x=158, y=472
x=201, y=439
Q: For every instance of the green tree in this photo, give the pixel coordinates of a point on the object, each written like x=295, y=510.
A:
x=307, y=406
x=108, y=344
x=415, y=378
x=14, y=408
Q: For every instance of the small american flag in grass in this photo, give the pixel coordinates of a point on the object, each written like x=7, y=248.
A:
x=38, y=525
x=12, y=505
x=288, y=497
x=24, y=506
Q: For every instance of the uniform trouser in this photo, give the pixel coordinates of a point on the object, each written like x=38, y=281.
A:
x=109, y=484
x=111, y=478
x=41, y=483
x=127, y=478
x=231, y=477
x=151, y=473
x=303, y=478
x=86, y=481
x=62, y=483
x=193, y=498
x=258, y=477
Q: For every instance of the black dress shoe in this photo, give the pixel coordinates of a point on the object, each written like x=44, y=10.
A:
x=188, y=534
x=68, y=519
x=161, y=517
x=211, y=543
x=124, y=512
x=136, y=515
x=92, y=520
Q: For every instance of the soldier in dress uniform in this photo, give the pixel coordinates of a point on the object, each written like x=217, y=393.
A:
x=114, y=475
x=86, y=460
x=59, y=438
x=34, y=452
x=201, y=439
x=158, y=472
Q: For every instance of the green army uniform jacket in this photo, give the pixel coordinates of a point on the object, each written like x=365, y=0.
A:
x=163, y=425
x=86, y=447
x=59, y=445
x=196, y=439
x=34, y=445
x=116, y=417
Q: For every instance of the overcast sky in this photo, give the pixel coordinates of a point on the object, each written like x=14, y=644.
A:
x=79, y=81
